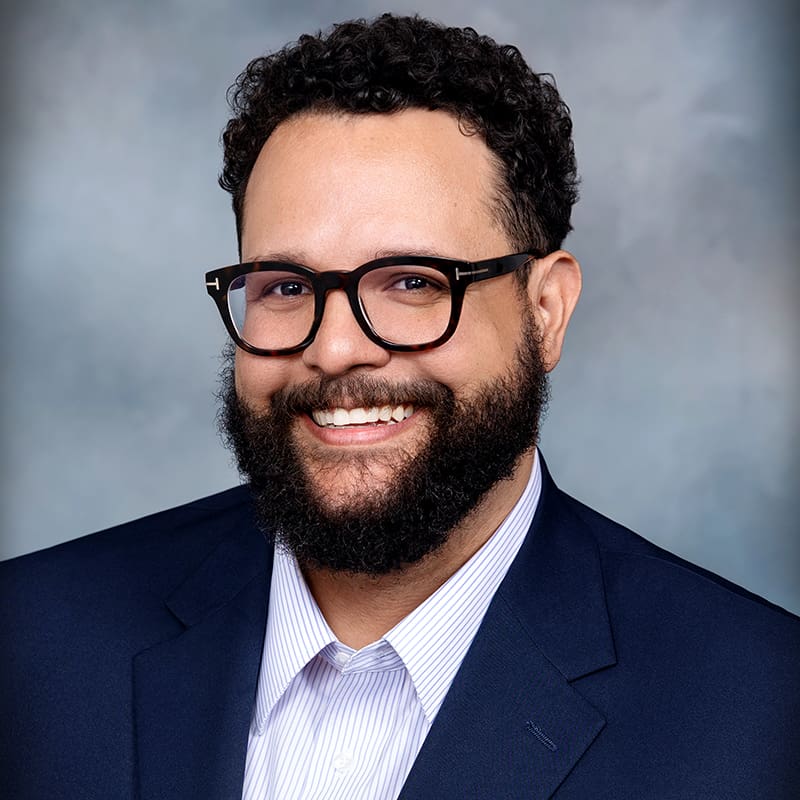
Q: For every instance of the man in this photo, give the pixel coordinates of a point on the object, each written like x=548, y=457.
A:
x=427, y=615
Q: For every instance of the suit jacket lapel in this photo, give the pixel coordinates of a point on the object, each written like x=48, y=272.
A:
x=512, y=724
x=193, y=695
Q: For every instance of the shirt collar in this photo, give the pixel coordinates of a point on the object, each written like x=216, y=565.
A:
x=431, y=641
x=296, y=632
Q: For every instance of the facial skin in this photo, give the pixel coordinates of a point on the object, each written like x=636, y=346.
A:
x=332, y=192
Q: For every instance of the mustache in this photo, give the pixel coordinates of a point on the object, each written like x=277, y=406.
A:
x=358, y=391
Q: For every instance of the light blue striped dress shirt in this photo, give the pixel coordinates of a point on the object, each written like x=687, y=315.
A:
x=332, y=723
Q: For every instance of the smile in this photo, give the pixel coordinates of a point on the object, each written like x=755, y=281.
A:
x=376, y=415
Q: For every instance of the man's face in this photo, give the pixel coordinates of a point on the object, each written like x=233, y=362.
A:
x=333, y=192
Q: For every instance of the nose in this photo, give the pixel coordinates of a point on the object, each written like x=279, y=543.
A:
x=340, y=345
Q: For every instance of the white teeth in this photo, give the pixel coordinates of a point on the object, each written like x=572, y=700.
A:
x=322, y=418
x=358, y=416
x=342, y=417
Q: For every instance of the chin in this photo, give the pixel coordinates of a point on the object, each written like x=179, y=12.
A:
x=352, y=483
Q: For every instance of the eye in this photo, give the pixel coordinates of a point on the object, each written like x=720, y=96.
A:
x=417, y=283
x=275, y=288
x=405, y=283
x=413, y=283
x=288, y=288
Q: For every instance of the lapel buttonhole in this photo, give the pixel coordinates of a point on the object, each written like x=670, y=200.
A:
x=533, y=728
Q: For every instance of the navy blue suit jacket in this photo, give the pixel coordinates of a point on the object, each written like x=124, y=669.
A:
x=604, y=668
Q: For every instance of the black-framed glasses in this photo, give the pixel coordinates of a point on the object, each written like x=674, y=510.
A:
x=402, y=303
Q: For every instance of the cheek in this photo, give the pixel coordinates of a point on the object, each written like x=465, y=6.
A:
x=488, y=336
x=481, y=349
x=258, y=378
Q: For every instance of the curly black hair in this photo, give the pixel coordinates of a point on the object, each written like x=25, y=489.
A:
x=392, y=63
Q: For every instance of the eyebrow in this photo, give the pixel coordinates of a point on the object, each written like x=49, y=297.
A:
x=299, y=258
x=410, y=251
x=291, y=258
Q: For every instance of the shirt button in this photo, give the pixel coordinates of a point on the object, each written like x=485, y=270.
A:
x=342, y=762
x=342, y=658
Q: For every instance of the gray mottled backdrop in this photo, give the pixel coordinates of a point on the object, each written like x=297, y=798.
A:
x=674, y=409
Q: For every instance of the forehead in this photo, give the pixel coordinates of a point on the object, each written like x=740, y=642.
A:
x=348, y=184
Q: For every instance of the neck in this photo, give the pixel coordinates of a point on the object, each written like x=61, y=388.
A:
x=360, y=609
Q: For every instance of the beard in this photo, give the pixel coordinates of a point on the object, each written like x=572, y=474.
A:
x=378, y=525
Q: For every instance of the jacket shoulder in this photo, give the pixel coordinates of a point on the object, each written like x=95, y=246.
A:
x=123, y=565
x=624, y=550
x=704, y=681
x=683, y=625
x=73, y=618
x=162, y=529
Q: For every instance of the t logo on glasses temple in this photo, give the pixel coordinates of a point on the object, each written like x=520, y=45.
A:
x=460, y=273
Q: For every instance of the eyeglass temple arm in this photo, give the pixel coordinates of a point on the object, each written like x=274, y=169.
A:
x=492, y=267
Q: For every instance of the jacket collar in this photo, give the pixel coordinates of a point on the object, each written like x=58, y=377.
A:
x=512, y=724
x=555, y=587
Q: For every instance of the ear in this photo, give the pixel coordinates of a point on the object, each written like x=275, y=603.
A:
x=554, y=286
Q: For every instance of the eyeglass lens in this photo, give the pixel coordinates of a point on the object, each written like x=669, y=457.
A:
x=405, y=305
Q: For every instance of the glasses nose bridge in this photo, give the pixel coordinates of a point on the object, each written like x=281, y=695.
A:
x=344, y=280
x=336, y=279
